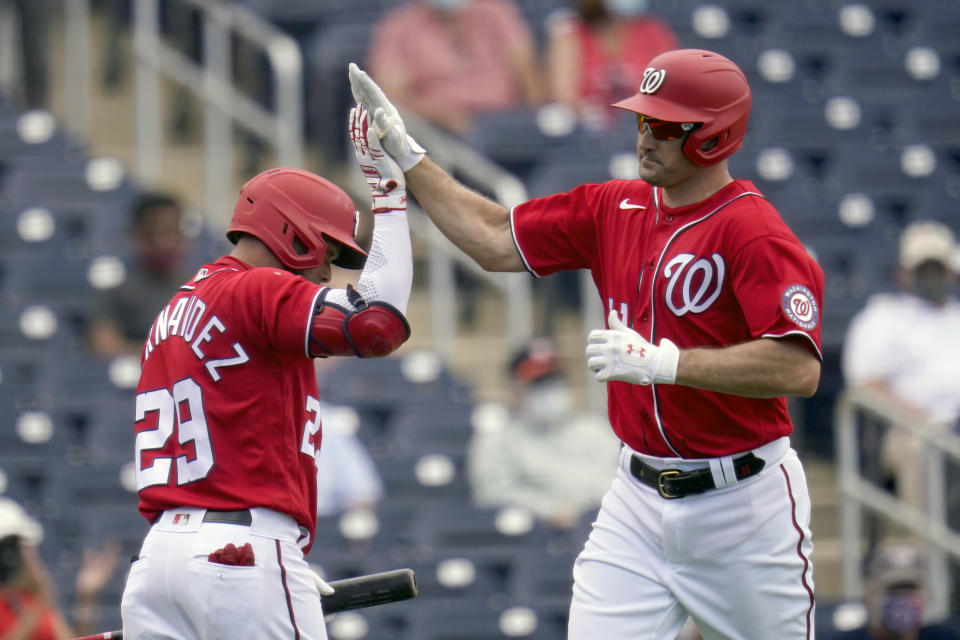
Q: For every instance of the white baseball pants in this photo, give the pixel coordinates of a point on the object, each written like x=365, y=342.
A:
x=174, y=591
x=736, y=559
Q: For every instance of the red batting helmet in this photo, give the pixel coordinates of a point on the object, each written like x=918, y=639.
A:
x=294, y=212
x=693, y=85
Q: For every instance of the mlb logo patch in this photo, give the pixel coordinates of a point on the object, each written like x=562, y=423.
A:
x=181, y=518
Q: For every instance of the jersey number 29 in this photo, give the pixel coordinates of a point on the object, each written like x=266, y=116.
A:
x=183, y=406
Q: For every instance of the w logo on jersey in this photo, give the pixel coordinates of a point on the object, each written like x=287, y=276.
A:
x=693, y=285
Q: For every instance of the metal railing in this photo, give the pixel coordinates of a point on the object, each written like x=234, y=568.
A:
x=225, y=104
x=858, y=493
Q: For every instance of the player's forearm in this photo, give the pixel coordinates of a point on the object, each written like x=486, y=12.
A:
x=388, y=273
x=764, y=368
x=476, y=225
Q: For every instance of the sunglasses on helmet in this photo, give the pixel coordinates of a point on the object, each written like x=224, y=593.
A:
x=664, y=129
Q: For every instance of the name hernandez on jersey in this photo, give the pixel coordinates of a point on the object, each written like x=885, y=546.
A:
x=227, y=414
x=180, y=319
x=716, y=273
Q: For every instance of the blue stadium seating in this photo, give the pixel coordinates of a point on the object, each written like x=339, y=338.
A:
x=403, y=478
x=434, y=428
x=469, y=620
x=543, y=580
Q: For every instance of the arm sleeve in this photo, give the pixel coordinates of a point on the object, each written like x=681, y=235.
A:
x=388, y=273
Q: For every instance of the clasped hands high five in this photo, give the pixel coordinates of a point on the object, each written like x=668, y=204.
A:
x=389, y=126
x=617, y=353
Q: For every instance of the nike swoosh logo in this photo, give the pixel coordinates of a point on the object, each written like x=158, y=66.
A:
x=626, y=204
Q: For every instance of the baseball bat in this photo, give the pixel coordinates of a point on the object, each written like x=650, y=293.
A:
x=350, y=593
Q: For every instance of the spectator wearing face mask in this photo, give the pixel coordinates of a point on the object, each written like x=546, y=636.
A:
x=895, y=599
x=907, y=345
x=597, y=53
x=28, y=603
x=547, y=457
x=122, y=315
x=447, y=60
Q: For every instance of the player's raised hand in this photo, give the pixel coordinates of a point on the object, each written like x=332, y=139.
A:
x=620, y=353
x=383, y=174
x=390, y=128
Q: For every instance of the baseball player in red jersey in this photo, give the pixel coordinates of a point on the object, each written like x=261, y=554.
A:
x=227, y=414
x=713, y=319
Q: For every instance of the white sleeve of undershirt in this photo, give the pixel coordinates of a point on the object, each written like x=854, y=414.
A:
x=388, y=273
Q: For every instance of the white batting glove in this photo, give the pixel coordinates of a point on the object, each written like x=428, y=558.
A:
x=324, y=588
x=396, y=141
x=620, y=353
x=383, y=174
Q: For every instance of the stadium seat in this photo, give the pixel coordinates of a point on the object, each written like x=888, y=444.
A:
x=447, y=579
x=26, y=479
x=328, y=51
x=515, y=140
x=108, y=425
x=472, y=620
x=557, y=175
x=423, y=475
x=543, y=579
x=24, y=378
x=433, y=427
x=493, y=536
x=86, y=487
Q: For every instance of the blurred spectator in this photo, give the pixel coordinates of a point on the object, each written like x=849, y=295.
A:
x=547, y=457
x=907, y=345
x=597, y=53
x=895, y=600
x=122, y=316
x=28, y=609
x=447, y=60
x=347, y=477
x=33, y=32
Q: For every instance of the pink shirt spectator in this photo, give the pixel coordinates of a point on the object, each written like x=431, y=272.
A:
x=448, y=65
x=603, y=62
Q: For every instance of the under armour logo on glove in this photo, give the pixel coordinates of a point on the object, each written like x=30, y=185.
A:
x=233, y=556
x=620, y=353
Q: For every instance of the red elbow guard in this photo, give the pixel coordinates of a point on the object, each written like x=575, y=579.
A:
x=374, y=331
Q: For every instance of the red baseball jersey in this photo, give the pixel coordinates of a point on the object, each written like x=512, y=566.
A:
x=227, y=414
x=720, y=272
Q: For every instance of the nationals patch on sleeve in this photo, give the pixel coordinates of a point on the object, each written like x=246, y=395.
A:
x=800, y=306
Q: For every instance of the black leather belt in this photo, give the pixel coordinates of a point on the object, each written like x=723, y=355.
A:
x=229, y=517
x=673, y=483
